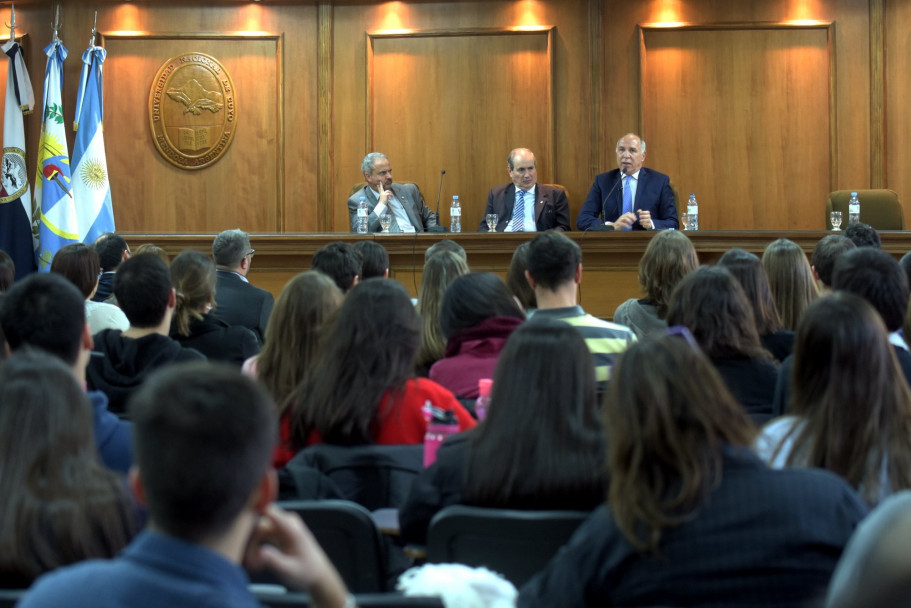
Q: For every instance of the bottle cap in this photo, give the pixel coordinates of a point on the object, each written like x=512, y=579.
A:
x=853, y=194
x=484, y=387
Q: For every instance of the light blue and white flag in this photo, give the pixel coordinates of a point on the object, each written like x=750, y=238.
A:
x=91, y=189
x=57, y=223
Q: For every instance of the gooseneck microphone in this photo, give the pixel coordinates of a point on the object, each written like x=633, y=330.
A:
x=604, y=201
x=439, y=227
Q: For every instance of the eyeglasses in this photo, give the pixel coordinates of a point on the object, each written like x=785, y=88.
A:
x=682, y=332
x=250, y=253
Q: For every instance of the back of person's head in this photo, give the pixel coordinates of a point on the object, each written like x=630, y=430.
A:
x=712, y=305
x=516, y=280
x=230, y=247
x=863, y=235
x=375, y=259
x=79, y=264
x=193, y=276
x=826, y=252
x=150, y=249
x=203, y=436
x=365, y=355
x=7, y=271
x=544, y=403
x=905, y=263
x=667, y=417
x=748, y=270
x=445, y=245
x=439, y=271
x=553, y=259
x=790, y=279
x=142, y=286
x=669, y=257
x=44, y=311
x=875, y=276
x=473, y=298
x=340, y=261
x=304, y=308
x=110, y=247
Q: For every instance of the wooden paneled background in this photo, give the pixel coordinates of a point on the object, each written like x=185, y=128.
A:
x=759, y=107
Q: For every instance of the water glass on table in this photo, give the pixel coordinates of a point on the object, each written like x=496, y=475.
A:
x=385, y=221
x=491, y=221
x=835, y=218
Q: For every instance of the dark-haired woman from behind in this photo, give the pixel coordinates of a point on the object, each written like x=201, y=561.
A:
x=541, y=445
x=477, y=316
x=693, y=517
x=58, y=504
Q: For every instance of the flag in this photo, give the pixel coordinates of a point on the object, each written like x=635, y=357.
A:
x=57, y=224
x=16, y=236
x=91, y=189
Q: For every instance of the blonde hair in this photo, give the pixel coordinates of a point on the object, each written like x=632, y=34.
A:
x=193, y=276
x=790, y=279
x=439, y=271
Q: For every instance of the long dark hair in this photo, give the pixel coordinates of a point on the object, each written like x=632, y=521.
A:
x=791, y=280
x=747, y=269
x=59, y=505
x=668, y=416
x=542, y=435
x=473, y=298
x=370, y=350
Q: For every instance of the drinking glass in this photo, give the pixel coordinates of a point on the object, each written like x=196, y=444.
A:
x=385, y=221
x=685, y=220
x=491, y=221
x=835, y=218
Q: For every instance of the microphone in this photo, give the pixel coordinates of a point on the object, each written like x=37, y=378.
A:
x=603, y=227
x=439, y=227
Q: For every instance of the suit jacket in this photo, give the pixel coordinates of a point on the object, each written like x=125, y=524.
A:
x=240, y=303
x=653, y=194
x=409, y=195
x=551, y=208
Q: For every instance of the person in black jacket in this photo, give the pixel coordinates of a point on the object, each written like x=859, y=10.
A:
x=238, y=302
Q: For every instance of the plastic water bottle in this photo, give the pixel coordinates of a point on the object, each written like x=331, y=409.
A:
x=455, y=215
x=692, y=213
x=362, y=216
x=485, y=385
x=441, y=424
x=853, y=209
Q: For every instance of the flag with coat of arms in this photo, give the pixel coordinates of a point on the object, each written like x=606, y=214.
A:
x=57, y=223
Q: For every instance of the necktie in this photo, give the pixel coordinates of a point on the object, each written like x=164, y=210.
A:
x=518, y=213
x=627, y=196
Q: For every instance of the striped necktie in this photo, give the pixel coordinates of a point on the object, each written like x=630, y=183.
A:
x=518, y=213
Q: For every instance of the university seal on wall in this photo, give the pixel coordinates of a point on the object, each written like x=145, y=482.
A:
x=192, y=110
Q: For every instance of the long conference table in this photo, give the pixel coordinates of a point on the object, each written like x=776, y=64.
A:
x=609, y=259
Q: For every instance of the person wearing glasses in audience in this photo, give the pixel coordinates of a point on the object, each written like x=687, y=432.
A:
x=237, y=302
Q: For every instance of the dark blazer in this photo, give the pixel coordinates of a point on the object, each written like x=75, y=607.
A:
x=653, y=194
x=551, y=208
x=412, y=201
x=240, y=303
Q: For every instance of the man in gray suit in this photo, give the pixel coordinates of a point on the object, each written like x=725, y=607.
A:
x=403, y=201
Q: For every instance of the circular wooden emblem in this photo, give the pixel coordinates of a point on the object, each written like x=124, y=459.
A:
x=192, y=110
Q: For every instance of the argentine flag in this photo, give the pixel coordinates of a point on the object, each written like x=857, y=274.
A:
x=57, y=224
x=91, y=189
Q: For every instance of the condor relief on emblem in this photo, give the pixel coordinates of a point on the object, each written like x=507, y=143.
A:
x=192, y=110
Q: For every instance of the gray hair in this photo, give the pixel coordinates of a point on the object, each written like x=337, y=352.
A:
x=641, y=141
x=367, y=163
x=230, y=247
x=509, y=161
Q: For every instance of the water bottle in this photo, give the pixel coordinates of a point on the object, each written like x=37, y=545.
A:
x=441, y=426
x=480, y=406
x=853, y=209
x=362, y=216
x=455, y=215
x=692, y=213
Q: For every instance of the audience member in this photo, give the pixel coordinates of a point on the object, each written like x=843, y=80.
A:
x=541, y=445
x=59, y=504
x=143, y=289
x=112, y=250
x=693, y=517
x=361, y=389
x=47, y=312
x=905, y=263
x=863, y=235
x=850, y=409
x=204, y=435
x=7, y=271
x=477, y=315
x=79, y=264
x=375, y=259
x=516, y=281
x=790, y=279
x=825, y=253
x=669, y=257
x=445, y=245
x=194, y=325
x=341, y=263
x=154, y=250
x=237, y=301
x=439, y=271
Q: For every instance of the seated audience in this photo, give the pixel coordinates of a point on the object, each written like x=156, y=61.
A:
x=790, y=279
x=204, y=435
x=863, y=235
x=375, y=259
x=154, y=250
x=439, y=271
x=143, y=290
x=711, y=304
x=362, y=388
x=905, y=263
x=341, y=263
x=823, y=259
x=748, y=271
x=58, y=505
x=7, y=271
x=478, y=314
x=669, y=257
x=850, y=408
x=237, y=301
x=541, y=445
x=516, y=281
x=79, y=264
x=112, y=250
x=693, y=517
x=194, y=325
x=445, y=245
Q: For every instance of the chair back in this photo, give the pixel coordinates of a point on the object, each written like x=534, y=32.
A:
x=879, y=208
x=10, y=597
x=516, y=544
x=560, y=186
